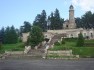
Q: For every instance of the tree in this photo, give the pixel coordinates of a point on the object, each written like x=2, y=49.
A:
x=27, y=27
x=2, y=34
x=44, y=20
x=62, y=21
x=7, y=35
x=11, y=36
x=80, y=41
x=37, y=21
x=52, y=20
x=86, y=20
x=78, y=22
x=58, y=24
x=36, y=36
x=41, y=21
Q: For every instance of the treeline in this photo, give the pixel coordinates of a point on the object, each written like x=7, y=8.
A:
x=53, y=22
x=8, y=35
x=86, y=21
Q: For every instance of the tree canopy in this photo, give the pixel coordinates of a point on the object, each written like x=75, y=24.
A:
x=36, y=36
x=40, y=21
x=8, y=35
x=27, y=27
x=86, y=21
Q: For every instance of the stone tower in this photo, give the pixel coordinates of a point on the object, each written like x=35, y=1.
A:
x=72, y=23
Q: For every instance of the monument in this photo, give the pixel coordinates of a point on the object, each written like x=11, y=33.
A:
x=70, y=24
x=69, y=29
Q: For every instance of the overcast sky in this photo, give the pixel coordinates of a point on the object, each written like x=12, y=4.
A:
x=15, y=12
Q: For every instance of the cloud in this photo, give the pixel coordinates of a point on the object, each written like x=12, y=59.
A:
x=85, y=5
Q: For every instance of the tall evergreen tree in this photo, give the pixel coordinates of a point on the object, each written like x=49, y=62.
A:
x=41, y=21
x=58, y=24
x=27, y=27
x=37, y=21
x=56, y=20
x=44, y=20
x=2, y=34
x=7, y=35
x=11, y=36
x=52, y=20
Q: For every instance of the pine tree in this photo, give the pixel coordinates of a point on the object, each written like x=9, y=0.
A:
x=11, y=36
x=58, y=24
x=56, y=20
x=2, y=34
x=52, y=19
x=7, y=35
x=27, y=27
x=14, y=35
x=41, y=21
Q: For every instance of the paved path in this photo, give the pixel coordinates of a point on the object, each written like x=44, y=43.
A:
x=82, y=64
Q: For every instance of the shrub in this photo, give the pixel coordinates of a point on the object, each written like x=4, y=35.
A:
x=57, y=43
x=63, y=41
x=70, y=39
x=80, y=41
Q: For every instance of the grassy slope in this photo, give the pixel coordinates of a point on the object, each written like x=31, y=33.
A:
x=12, y=47
x=82, y=51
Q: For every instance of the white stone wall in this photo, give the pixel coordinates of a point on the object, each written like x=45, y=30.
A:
x=74, y=32
x=25, y=36
x=69, y=32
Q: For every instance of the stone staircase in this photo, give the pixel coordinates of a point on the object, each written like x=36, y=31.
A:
x=33, y=54
x=55, y=38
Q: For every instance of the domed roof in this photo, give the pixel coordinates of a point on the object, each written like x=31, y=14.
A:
x=71, y=7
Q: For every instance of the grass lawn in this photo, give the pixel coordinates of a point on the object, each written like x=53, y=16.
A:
x=84, y=51
x=81, y=51
x=12, y=47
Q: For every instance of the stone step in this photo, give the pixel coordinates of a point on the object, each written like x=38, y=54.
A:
x=23, y=57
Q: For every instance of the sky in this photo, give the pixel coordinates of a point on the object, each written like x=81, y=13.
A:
x=15, y=12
